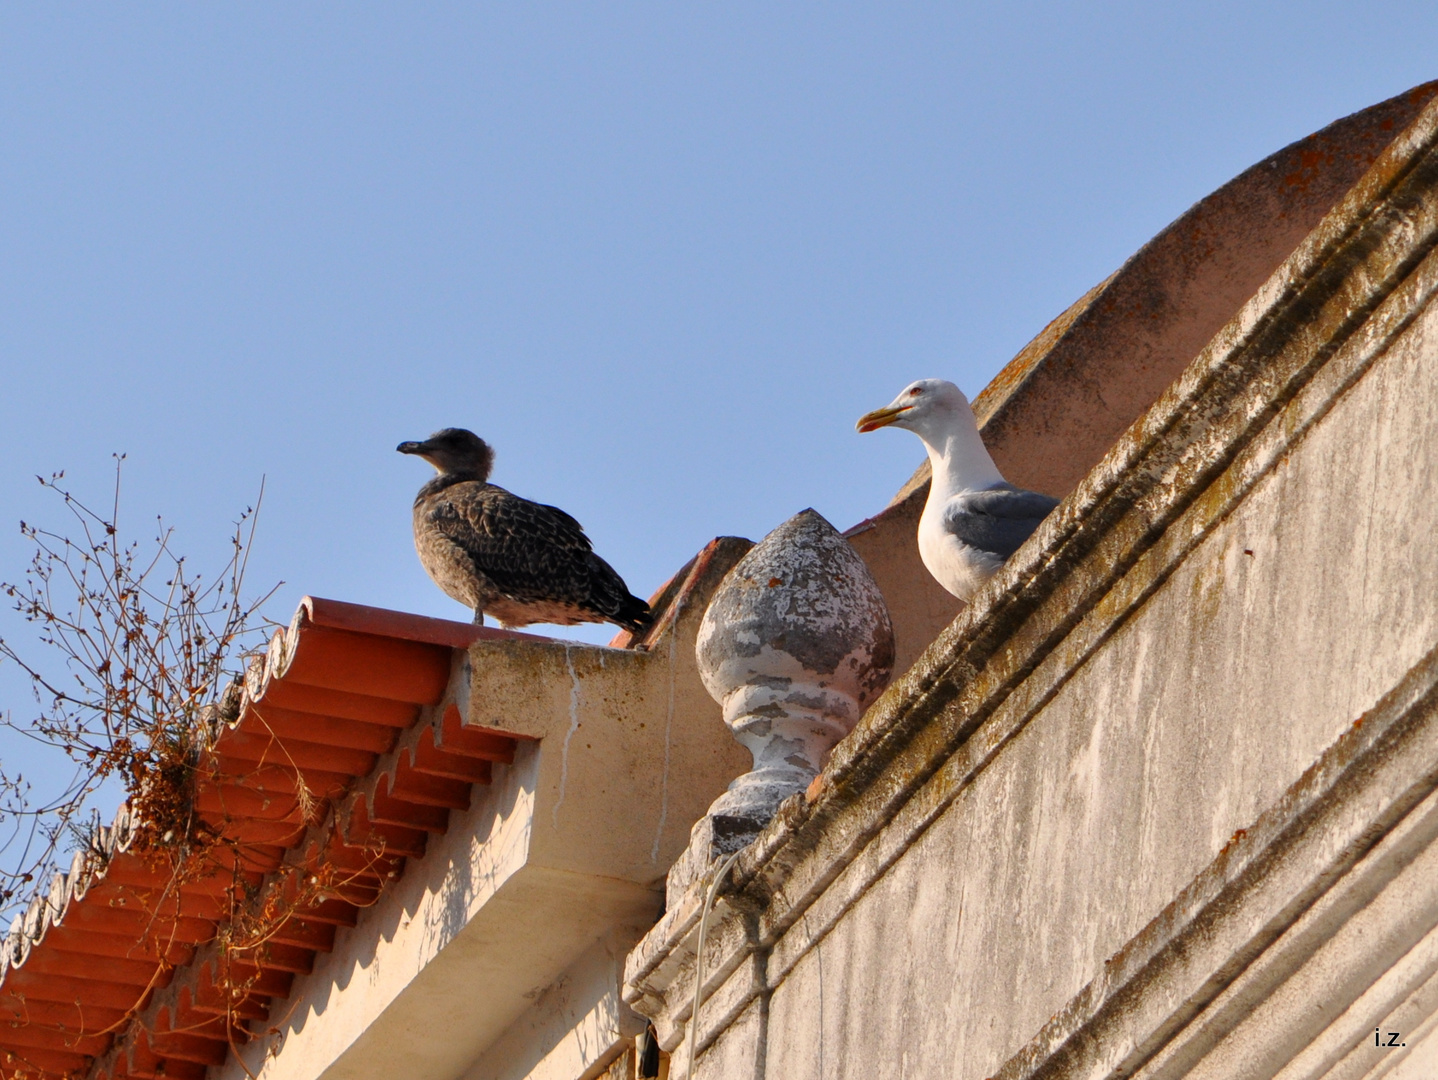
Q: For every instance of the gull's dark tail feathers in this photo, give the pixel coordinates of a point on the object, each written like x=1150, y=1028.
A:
x=633, y=614
x=611, y=598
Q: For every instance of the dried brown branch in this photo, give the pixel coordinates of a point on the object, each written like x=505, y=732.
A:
x=136, y=652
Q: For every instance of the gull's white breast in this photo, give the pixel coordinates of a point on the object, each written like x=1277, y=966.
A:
x=958, y=567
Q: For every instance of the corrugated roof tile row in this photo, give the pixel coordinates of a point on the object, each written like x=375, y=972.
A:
x=318, y=791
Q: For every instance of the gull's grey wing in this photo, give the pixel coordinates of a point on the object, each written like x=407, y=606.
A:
x=997, y=519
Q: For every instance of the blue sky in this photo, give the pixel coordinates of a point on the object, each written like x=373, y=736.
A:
x=660, y=255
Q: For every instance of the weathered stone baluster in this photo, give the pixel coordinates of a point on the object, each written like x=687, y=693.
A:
x=794, y=645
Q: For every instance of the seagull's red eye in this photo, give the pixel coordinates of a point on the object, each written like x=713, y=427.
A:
x=916, y=390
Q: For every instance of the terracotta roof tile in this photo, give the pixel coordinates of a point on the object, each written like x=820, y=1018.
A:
x=116, y=970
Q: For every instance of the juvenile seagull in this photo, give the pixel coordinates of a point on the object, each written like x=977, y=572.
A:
x=520, y=561
x=974, y=519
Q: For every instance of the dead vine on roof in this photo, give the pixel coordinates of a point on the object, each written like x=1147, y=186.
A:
x=136, y=653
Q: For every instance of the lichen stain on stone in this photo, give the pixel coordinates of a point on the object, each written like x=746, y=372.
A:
x=773, y=682
x=1206, y=594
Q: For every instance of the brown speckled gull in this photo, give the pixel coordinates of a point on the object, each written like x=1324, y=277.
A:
x=520, y=561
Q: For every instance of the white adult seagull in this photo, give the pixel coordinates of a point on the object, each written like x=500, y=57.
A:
x=974, y=518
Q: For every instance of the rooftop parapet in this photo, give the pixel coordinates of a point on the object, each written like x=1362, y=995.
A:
x=1184, y=741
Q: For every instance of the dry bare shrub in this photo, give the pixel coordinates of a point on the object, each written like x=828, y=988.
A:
x=143, y=663
x=139, y=653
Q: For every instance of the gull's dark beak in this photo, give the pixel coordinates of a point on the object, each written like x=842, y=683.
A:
x=872, y=421
x=412, y=447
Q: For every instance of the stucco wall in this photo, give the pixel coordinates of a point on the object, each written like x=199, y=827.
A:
x=1191, y=720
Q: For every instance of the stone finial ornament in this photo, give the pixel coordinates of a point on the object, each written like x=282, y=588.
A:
x=795, y=644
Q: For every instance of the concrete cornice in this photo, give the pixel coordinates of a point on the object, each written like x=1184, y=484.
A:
x=1248, y=398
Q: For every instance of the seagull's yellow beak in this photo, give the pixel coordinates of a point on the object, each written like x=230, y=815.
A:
x=872, y=421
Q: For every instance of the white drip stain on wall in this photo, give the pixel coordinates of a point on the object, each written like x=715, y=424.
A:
x=668, y=729
x=573, y=727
